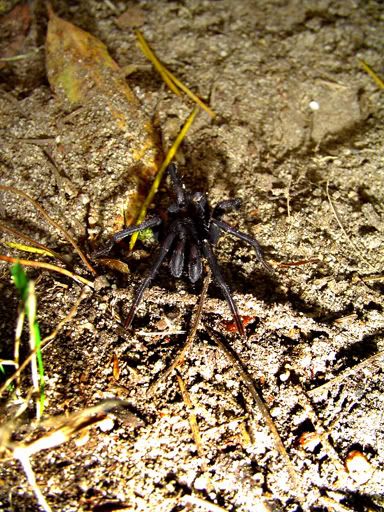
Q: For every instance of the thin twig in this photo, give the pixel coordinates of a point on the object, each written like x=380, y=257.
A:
x=345, y=374
x=288, y=198
x=192, y=422
x=156, y=183
x=48, y=266
x=53, y=223
x=332, y=505
x=22, y=56
x=248, y=381
x=22, y=236
x=65, y=429
x=368, y=279
x=378, y=81
x=199, y=502
x=25, y=461
x=298, y=263
x=159, y=333
x=321, y=431
x=168, y=77
x=65, y=320
x=348, y=238
x=191, y=336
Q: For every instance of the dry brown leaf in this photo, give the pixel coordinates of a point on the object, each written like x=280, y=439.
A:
x=81, y=72
x=80, y=68
x=114, y=264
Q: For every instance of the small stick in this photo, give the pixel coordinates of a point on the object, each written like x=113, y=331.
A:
x=25, y=462
x=331, y=504
x=22, y=236
x=248, y=381
x=168, y=77
x=378, y=81
x=345, y=374
x=354, y=247
x=48, y=266
x=53, y=223
x=199, y=502
x=191, y=336
x=192, y=421
x=321, y=431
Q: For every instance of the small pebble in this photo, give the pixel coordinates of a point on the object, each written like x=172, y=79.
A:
x=313, y=105
x=309, y=440
x=358, y=467
x=100, y=283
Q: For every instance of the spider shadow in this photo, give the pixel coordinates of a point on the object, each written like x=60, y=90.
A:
x=258, y=283
x=205, y=167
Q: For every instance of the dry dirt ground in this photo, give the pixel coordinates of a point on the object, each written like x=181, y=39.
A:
x=298, y=137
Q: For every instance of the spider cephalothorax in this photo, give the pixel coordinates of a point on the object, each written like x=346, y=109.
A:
x=192, y=229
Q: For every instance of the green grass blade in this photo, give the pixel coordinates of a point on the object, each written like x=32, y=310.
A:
x=26, y=289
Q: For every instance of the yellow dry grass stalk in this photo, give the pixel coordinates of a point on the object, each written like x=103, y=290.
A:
x=27, y=248
x=33, y=243
x=59, y=430
x=156, y=183
x=193, y=421
x=169, y=78
x=47, y=266
x=378, y=81
x=56, y=225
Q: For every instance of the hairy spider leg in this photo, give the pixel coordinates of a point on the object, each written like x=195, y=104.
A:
x=120, y=235
x=225, y=206
x=223, y=285
x=243, y=236
x=202, y=208
x=164, y=249
x=195, y=267
x=176, y=264
x=217, y=212
x=177, y=184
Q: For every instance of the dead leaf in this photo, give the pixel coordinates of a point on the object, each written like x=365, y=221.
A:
x=114, y=264
x=81, y=72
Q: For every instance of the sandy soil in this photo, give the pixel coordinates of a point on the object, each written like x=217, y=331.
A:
x=298, y=137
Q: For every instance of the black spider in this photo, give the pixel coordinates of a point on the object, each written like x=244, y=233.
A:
x=193, y=228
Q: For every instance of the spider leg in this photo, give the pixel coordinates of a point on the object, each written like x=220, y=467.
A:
x=200, y=202
x=225, y=206
x=177, y=184
x=243, y=236
x=166, y=245
x=223, y=285
x=195, y=267
x=120, y=235
x=219, y=210
x=176, y=264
